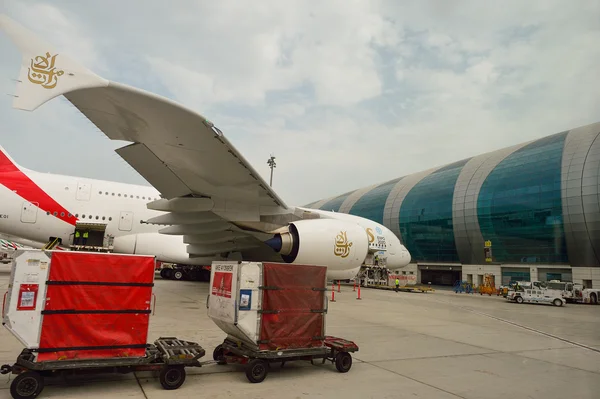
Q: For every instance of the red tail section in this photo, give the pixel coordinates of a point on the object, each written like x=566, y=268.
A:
x=16, y=180
x=6, y=163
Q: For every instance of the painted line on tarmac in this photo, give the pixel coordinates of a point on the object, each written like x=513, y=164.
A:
x=525, y=327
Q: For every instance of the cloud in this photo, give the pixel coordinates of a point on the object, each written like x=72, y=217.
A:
x=345, y=93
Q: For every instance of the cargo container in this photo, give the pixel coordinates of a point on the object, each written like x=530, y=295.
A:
x=269, y=305
x=86, y=312
x=68, y=305
x=273, y=312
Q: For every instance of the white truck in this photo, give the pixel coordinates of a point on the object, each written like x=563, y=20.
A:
x=536, y=295
x=574, y=292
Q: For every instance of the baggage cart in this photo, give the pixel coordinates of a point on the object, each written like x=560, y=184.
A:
x=335, y=350
x=272, y=312
x=168, y=355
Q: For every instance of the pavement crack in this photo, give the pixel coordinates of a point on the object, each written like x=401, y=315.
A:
x=417, y=381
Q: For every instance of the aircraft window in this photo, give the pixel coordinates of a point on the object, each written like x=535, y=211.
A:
x=143, y=197
x=47, y=213
x=62, y=214
x=106, y=193
x=97, y=217
x=83, y=216
x=89, y=216
x=76, y=215
x=109, y=218
x=100, y=192
x=119, y=195
x=55, y=213
x=137, y=197
x=113, y=194
x=103, y=217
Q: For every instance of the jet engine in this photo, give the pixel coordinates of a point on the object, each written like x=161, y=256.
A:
x=326, y=242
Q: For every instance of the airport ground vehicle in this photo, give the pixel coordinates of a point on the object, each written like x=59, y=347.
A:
x=172, y=271
x=575, y=293
x=168, y=355
x=82, y=312
x=272, y=312
x=536, y=296
x=336, y=350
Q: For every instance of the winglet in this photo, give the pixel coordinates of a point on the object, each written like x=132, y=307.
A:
x=45, y=73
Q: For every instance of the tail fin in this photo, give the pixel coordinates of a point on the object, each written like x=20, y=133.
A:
x=44, y=74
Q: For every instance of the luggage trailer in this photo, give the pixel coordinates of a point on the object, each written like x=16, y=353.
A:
x=27, y=312
x=273, y=313
x=168, y=355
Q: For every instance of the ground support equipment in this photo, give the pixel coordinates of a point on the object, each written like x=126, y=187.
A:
x=336, y=350
x=168, y=355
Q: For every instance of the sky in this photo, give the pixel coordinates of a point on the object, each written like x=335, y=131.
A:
x=344, y=93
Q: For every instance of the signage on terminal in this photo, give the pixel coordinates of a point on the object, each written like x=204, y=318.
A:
x=487, y=251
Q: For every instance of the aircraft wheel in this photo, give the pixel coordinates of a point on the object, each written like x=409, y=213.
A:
x=177, y=274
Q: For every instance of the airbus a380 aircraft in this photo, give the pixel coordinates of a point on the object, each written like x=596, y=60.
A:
x=209, y=201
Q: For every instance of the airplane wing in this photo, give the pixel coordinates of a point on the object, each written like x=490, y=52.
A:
x=177, y=150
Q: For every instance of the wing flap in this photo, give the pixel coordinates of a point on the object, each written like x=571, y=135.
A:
x=162, y=178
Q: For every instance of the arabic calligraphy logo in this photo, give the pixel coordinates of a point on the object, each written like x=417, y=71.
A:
x=43, y=72
x=342, y=245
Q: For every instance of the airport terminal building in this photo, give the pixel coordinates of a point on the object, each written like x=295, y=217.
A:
x=526, y=212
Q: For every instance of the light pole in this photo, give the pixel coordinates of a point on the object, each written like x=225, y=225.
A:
x=272, y=165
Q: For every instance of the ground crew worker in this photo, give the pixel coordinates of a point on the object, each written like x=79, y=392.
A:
x=77, y=237
x=85, y=237
x=397, y=284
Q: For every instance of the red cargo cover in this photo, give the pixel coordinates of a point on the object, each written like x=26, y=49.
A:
x=97, y=306
x=295, y=296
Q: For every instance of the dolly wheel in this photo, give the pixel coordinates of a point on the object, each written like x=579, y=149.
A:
x=172, y=377
x=257, y=370
x=343, y=362
x=27, y=385
x=219, y=355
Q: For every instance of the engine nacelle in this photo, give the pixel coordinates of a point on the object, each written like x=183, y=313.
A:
x=337, y=244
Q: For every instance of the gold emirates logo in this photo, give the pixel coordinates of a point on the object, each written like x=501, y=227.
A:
x=42, y=71
x=342, y=245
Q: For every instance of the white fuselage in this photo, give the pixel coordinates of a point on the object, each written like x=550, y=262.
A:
x=62, y=201
x=36, y=206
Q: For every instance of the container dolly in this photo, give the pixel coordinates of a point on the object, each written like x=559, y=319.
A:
x=168, y=355
x=335, y=350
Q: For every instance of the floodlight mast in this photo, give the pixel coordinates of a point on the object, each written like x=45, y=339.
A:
x=272, y=165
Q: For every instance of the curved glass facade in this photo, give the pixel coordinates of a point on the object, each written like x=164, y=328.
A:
x=372, y=203
x=334, y=204
x=426, y=216
x=520, y=208
x=537, y=202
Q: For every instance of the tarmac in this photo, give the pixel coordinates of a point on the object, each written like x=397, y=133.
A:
x=412, y=345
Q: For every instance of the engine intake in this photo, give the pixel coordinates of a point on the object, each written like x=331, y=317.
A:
x=325, y=242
